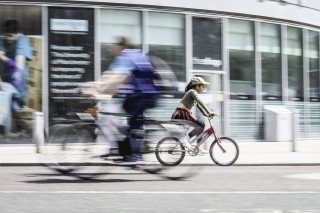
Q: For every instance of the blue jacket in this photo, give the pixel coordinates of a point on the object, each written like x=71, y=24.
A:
x=138, y=66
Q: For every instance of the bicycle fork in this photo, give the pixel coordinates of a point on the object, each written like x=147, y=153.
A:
x=205, y=135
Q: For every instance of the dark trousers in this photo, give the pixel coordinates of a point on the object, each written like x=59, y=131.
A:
x=198, y=129
x=135, y=107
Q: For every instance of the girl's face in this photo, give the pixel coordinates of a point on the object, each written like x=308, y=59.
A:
x=199, y=88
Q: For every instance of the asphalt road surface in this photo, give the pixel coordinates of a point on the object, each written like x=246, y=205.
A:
x=263, y=189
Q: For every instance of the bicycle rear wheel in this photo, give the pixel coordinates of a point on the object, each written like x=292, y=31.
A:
x=70, y=148
x=228, y=157
x=169, y=151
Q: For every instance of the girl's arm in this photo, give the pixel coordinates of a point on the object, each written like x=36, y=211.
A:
x=201, y=106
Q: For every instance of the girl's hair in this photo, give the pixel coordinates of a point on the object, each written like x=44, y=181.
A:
x=189, y=87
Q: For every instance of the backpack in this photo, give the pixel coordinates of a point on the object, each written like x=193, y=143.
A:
x=164, y=77
x=142, y=78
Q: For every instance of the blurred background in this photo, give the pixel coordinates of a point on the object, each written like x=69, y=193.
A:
x=255, y=54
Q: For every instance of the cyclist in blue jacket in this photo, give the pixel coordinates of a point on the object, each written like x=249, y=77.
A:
x=131, y=74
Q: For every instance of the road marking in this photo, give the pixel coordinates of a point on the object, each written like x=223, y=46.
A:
x=159, y=192
x=311, y=176
x=257, y=211
x=242, y=210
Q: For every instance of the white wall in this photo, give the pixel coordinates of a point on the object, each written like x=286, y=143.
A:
x=266, y=8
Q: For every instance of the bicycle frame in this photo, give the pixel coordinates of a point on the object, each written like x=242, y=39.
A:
x=206, y=134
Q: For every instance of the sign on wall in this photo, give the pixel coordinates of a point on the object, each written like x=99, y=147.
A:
x=206, y=36
x=70, y=57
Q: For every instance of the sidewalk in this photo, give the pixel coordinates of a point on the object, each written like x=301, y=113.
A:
x=251, y=153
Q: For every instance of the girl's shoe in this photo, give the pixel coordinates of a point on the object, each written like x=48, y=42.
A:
x=186, y=142
x=203, y=151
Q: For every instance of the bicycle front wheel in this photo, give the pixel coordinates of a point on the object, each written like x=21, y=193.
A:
x=169, y=151
x=227, y=155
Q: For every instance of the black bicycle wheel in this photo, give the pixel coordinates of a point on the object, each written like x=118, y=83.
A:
x=70, y=148
x=169, y=151
x=228, y=157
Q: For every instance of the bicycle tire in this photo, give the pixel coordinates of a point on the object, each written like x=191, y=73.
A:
x=232, y=152
x=176, y=155
x=69, y=150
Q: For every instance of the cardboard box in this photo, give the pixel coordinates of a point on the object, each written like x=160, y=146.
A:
x=35, y=78
x=25, y=124
x=26, y=113
x=36, y=43
x=34, y=99
x=25, y=120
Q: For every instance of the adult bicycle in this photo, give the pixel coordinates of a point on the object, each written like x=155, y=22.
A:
x=72, y=148
x=170, y=151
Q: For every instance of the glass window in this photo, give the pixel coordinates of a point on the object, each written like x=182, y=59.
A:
x=206, y=36
x=166, y=39
x=313, y=55
x=270, y=61
x=242, y=60
x=71, y=59
x=295, y=63
x=27, y=97
x=114, y=23
x=28, y=17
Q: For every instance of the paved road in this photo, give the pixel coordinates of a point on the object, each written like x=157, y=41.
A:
x=215, y=189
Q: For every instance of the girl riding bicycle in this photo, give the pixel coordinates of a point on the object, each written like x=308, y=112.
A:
x=183, y=111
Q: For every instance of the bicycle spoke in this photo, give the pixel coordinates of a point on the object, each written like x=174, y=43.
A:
x=226, y=153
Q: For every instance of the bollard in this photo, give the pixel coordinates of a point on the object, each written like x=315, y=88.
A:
x=295, y=129
x=38, y=133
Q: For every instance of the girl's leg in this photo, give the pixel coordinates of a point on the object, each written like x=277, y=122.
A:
x=197, y=130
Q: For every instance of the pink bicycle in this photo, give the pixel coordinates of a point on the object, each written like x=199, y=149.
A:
x=170, y=151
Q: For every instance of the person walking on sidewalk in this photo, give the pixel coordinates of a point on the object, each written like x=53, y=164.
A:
x=183, y=111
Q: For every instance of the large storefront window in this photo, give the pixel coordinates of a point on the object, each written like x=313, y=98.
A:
x=295, y=65
x=270, y=61
x=20, y=99
x=313, y=55
x=242, y=80
x=206, y=36
x=166, y=39
x=314, y=113
x=114, y=23
x=242, y=60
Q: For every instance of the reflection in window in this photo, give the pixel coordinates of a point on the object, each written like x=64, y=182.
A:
x=114, y=23
x=242, y=63
x=166, y=39
x=29, y=18
x=313, y=54
x=270, y=61
x=206, y=36
x=295, y=66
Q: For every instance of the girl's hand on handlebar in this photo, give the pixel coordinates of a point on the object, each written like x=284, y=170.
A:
x=212, y=114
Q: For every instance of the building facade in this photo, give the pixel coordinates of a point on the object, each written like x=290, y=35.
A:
x=253, y=52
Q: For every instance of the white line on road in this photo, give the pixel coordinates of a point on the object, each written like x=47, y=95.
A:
x=159, y=192
x=312, y=176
